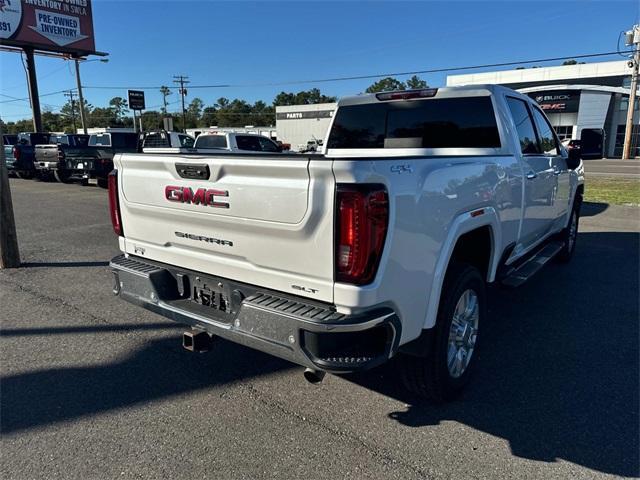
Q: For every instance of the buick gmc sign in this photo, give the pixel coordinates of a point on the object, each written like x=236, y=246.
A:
x=566, y=101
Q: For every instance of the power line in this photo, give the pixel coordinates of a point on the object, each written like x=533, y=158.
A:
x=14, y=99
x=371, y=76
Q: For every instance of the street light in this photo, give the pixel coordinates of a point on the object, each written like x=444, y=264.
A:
x=83, y=114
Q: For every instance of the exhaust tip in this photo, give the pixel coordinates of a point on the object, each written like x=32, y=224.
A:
x=314, y=377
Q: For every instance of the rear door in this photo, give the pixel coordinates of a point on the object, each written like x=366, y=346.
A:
x=264, y=221
x=540, y=183
x=550, y=147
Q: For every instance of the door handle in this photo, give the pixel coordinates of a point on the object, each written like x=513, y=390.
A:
x=557, y=171
x=531, y=175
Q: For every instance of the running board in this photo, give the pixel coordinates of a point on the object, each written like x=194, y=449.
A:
x=524, y=272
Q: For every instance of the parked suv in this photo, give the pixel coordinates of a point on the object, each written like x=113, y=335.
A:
x=382, y=246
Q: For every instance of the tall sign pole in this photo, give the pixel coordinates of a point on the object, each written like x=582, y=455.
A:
x=9, y=253
x=633, y=38
x=33, y=89
x=83, y=114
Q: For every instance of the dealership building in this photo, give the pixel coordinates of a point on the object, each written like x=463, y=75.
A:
x=299, y=124
x=583, y=101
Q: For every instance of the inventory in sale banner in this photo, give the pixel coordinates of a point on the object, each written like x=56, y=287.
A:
x=54, y=25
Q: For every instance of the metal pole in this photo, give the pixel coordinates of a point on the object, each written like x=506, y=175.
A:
x=73, y=109
x=83, y=114
x=628, y=131
x=9, y=253
x=33, y=90
x=181, y=79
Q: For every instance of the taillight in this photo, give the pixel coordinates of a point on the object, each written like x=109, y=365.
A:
x=362, y=216
x=16, y=153
x=114, y=203
x=61, y=155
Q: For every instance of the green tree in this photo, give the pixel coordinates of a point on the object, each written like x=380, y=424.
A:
x=386, y=84
x=416, y=82
x=572, y=61
x=304, y=97
x=119, y=107
x=194, y=112
x=209, y=117
x=152, y=120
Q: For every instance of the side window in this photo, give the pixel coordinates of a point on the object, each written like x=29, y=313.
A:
x=186, y=141
x=267, y=145
x=524, y=126
x=246, y=142
x=545, y=132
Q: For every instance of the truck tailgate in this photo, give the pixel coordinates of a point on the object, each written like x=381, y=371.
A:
x=262, y=221
x=46, y=153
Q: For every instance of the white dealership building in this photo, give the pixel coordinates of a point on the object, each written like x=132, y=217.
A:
x=582, y=101
x=299, y=124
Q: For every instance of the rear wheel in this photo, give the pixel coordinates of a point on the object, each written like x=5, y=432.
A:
x=450, y=358
x=24, y=174
x=569, y=235
x=62, y=176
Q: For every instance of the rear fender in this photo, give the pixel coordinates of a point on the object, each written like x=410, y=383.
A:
x=464, y=223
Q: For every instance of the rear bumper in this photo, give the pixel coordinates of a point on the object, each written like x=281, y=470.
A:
x=46, y=166
x=311, y=334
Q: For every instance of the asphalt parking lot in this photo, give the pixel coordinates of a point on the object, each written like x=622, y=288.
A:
x=92, y=387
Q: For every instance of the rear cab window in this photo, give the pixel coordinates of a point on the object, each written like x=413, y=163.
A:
x=456, y=122
x=100, y=140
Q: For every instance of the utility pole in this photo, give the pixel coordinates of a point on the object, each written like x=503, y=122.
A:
x=182, y=80
x=69, y=93
x=632, y=38
x=9, y=253
x=83, y=114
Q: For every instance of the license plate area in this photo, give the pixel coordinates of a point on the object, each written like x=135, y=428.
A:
x=212, y=294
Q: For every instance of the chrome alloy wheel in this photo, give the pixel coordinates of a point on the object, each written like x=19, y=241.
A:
x=463, y=333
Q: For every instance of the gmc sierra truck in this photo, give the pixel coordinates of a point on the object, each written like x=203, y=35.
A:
x=382, y=246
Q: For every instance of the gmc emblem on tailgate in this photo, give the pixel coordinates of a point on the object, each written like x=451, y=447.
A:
x=202, y=196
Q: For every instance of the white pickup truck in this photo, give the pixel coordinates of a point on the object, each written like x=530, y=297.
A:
x=212, y=142
x=382, y=246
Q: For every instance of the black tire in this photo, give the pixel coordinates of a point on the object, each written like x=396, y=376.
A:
x=62, y=176
x=24, y=174
x=429, y=376
x=569, y=235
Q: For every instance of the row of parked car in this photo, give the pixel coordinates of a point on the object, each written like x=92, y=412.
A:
x=89, y=158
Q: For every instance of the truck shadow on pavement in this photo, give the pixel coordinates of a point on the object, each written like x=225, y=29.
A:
x=559, y=375
x=160, y=370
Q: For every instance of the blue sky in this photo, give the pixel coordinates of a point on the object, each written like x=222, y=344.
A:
x=242, y=43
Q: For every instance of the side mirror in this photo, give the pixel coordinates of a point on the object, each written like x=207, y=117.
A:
x=573, y=160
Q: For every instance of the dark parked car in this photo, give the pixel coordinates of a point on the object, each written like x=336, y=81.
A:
x=23, y=153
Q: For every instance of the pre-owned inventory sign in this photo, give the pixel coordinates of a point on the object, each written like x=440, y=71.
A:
x=53, y=25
